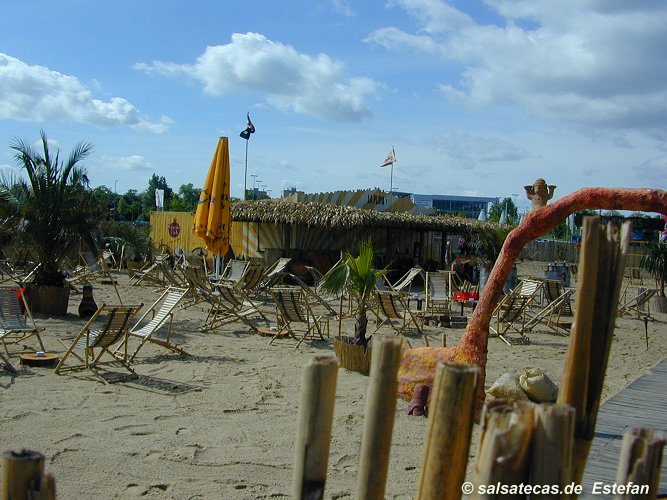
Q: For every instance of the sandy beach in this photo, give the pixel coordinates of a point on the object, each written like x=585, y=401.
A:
x=220, y=421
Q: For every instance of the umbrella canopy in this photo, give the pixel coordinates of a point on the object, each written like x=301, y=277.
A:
x=503, y=218
x=482, y=215
x=213, y=216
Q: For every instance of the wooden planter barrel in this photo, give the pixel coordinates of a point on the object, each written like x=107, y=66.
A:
x=46, y=299
x=352, y=356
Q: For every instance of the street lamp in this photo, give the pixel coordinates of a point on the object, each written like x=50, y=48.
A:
x=115, y=183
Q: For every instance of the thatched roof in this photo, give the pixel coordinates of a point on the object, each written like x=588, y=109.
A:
x=337, y=217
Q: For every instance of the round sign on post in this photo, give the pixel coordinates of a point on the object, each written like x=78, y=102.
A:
x=174, y=229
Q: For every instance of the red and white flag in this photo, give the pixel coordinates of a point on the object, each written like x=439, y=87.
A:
x=390, y=159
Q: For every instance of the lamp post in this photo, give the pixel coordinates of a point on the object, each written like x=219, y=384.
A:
x=254, y=178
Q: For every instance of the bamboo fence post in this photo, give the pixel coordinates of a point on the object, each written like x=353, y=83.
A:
x=504, y=446
x=311, y=449
x=23, y=477
x=602, y=260
x=640, y=460
x=379, y=418
x=553, y=439
x=448, y=433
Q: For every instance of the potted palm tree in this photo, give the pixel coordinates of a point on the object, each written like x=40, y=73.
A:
x=54, y=215
x=654, y=261
x=357, y=277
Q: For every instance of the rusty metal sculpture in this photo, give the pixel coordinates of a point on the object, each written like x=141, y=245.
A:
x=418, y=365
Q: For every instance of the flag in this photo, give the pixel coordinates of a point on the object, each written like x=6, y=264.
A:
x=390, y=159
x=250, y=129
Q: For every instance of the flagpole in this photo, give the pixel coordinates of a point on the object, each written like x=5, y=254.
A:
x=245, y=177
x=391, y=178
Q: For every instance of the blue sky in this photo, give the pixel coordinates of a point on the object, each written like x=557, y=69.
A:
x=476, y=97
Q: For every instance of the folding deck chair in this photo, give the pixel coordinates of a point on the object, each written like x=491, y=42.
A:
x=226, y=306
x=406, y=280
x=439, y=291
x=552, y=313
x=159, y=314
x=275, y=274
x=106, y=328
x=292, y=308
x=233, y=271
x=14, y=313
x=635, y=304
x=511, y=313
x=392, y=306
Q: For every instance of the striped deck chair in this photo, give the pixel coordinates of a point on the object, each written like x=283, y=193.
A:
x=405, y=282
x=556, y=314
x=511, y=313
x=637, y=303
x=159, y=314
x=227, y=306
x=292, y=309
x=16, y=321
x=439, y=291
x=233, y=271
x=252, y=278
x=553, y=290
x=275, y=274
x=390, y=307
x=92, y=347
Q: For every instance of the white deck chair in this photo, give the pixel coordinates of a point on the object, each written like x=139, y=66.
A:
x=159, y=314
x=14, y=327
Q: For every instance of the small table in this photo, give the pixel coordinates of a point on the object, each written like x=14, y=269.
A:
x=32, y=359
x=467, y=302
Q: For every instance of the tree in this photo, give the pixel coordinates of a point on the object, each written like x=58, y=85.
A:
x=497, y=209
x=148, y=197
x=53, y=208
x=655, y=262
x=186, y=199
x=129, y=206
x=358, y=277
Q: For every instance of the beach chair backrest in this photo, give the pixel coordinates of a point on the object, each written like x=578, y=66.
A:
x=289, y=302
x=437, y=285
x=115, y=323
x=388, y=304
x=163, y=309
x=234, y=270
x=253, y=276
x=11, y=314
x=228, y=297
x=407, y=279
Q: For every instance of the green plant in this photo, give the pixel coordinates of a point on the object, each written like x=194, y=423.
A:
x=129, y=238
x=52, y=208
x=357, y=276
x=490, y=241
x=654, y=261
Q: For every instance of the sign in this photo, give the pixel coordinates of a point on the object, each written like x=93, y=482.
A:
x=174, y=229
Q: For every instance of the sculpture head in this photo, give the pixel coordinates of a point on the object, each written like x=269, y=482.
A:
x=539, y=193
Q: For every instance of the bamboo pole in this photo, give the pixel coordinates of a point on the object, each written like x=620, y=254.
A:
x=23, y=477
x=602, y=260
x=551, y=456
x=311, y=450
x=448, y=433
x=379, y=418
x=639, y=463
x=504, y=446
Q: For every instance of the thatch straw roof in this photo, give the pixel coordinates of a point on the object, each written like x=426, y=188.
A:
x=337, y=217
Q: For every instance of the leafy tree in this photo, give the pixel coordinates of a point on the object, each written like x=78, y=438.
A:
x=497, y=209
x=129, y=206
x=186, y=199
x=655, y=262
x=358, y=277
x=148, y=197
x=53, y=208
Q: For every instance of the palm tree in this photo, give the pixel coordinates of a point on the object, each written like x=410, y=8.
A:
x=654, y=261
x=52, y=208
x=357, y=276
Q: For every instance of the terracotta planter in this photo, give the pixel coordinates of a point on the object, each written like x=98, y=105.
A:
x=352, y=356
x=45, y=299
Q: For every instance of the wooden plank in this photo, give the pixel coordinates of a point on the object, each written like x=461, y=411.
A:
x=641, y=404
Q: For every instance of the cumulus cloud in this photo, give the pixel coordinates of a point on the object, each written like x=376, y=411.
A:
x=292, y=81
x=653, y=172
x=591, y=63
x=37, y=93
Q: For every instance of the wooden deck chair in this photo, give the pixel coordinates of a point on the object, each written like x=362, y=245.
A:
x=556, y=314
x=252, y=277
x=510, y=314
x=439, y=291
x=554, y=290
x=636, y=304
x=275, y=273
x=404, y=284
x=233, y=271
x=159, y=314
x=226, y=306
x=292, y=309
x=391, y=306
x=151, y=273
x=93, y=346
x=16, y=321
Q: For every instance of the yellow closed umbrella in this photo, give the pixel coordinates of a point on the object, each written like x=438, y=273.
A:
x=213, y=218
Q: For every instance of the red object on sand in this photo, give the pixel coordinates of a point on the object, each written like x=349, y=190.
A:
x=419, y=403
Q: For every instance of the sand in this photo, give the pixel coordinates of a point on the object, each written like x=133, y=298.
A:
x=220, y=422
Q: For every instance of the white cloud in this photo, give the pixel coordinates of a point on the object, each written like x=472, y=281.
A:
x=132, y=163
x=292, y=81
x=471, y=151
x=591, y=63
x=342, y=7
x=653, y=172
x=36, y=93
